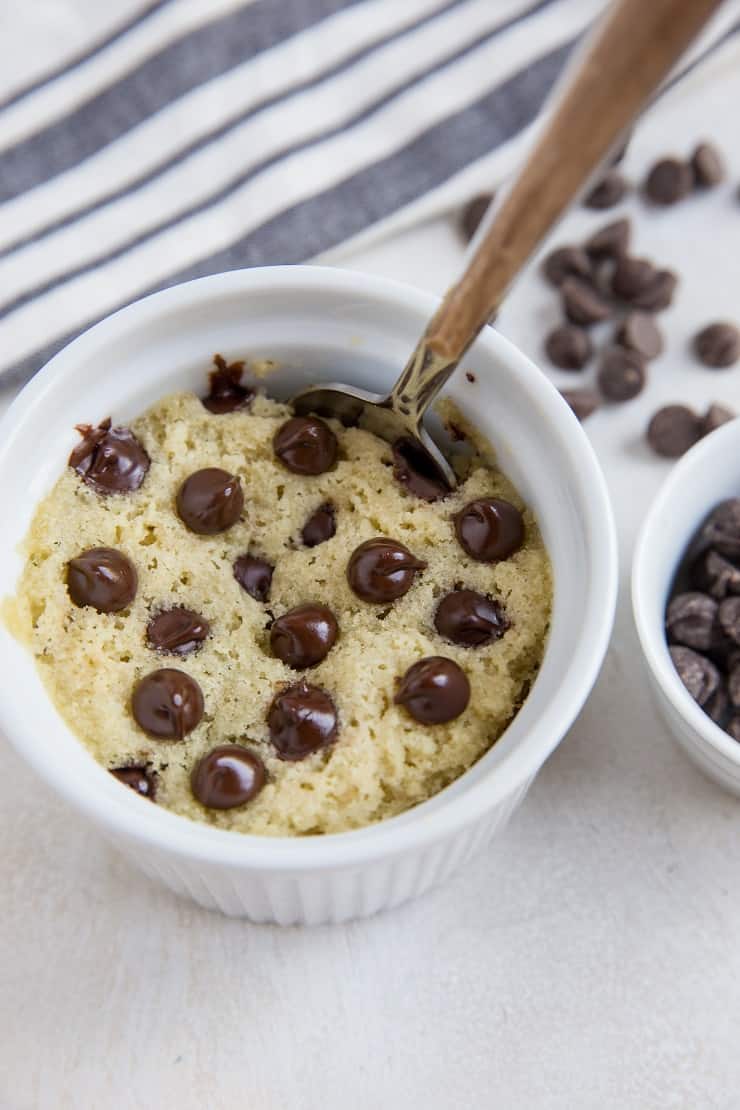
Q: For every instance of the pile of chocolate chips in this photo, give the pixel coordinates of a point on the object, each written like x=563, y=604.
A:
x=167, y=703
x=600, y=282
x=702, y=619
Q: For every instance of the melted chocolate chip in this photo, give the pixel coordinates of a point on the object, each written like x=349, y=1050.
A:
x=302, y=719
x=227, y=776
x=254, y=575
x=434, y=690
x=489, y=529
x=110, y=460
x=320, y=526
x=415, y=469
x=226, y=392
x=382, y=570
x=469, y=618
x=167, y=704
x=210, y=501
x=305, y=445
x=102, y=578
x=304, y=636
x=177, y=631
x=139, y=779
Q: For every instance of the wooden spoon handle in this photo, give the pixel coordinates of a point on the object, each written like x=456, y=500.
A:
x=629, y=55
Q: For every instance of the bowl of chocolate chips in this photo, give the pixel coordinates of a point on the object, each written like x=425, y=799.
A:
x=281, y=667
x=686, y=600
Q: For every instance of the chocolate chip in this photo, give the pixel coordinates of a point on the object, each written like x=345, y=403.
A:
x=302, y=719
x=569, y=347
x=254, y=575
x=177, y=631
x=382, y=570
x=715, y=575
x=639, y=332
x=582, y=304
x=139, y=779
x=320, y=526
x=708, y=166
x=732, y=728
x=733, y=686
x=607, y=192
x=566, y=262
x=669, y=180
x=632, y=276
x=729, y=618
x=434, y=690
x=721, y=529
x=226, y=392
x=102, y=578
x=489, y=529
x=583, y=402
x=718, y=705
x=610, y=241
x=304, y=636
x=621, y=374
x=473, y=213
x=415, y=469
x=210, y=501
x=715, y=417
x=691, y=619
x=305, y=445
x=167, y=704
x=659, y=294
x=699, y=675
x=110, y=460
x=718, y=345
x=469, y=618
x=227, y=776
x=673, y=430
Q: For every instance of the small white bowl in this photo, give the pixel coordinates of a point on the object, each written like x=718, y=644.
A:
x=707, y=474
x=318, y=324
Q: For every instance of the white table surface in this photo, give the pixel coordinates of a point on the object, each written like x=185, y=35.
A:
x=591, y=959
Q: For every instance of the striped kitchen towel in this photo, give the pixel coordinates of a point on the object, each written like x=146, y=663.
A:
x=142, y=144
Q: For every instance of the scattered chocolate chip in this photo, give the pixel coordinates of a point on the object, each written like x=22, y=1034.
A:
x=582, y=304
x=177, y=631
x=607, y=192
x=434, y=690
x=565, y=262
x=621, y=374
x=473, y=213
x=489, y=529
x=699, y=675
x=227, y=776
x=320, y=526
x=658, y=293
x=569, y=347
x=302, y=719
x=469, y=618
x=669, y=180
x=610, y=241
x=304, y=636
x=254, y=575
x=673, y=430
x=109, y=460
x=305, y=445
x=167, y=704
x=102, y=578
x=632, y=276
x=583, y=402
x=715, y=575
x=715, y=417
x=708, y=166
x=382, y=570
x=721, y=529
x=691, y=620
x=139, y=779
x=210, y=501
x=718, y=345
x=226, y=393
x=729, y=618
x=415, y=469
x=718, y=705
x=639, y=332
x=732, y=728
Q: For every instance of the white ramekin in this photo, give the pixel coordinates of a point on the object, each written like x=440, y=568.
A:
x=707, y=474
x=318, y=324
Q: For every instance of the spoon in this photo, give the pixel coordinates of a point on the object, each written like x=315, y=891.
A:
x=629, y=54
